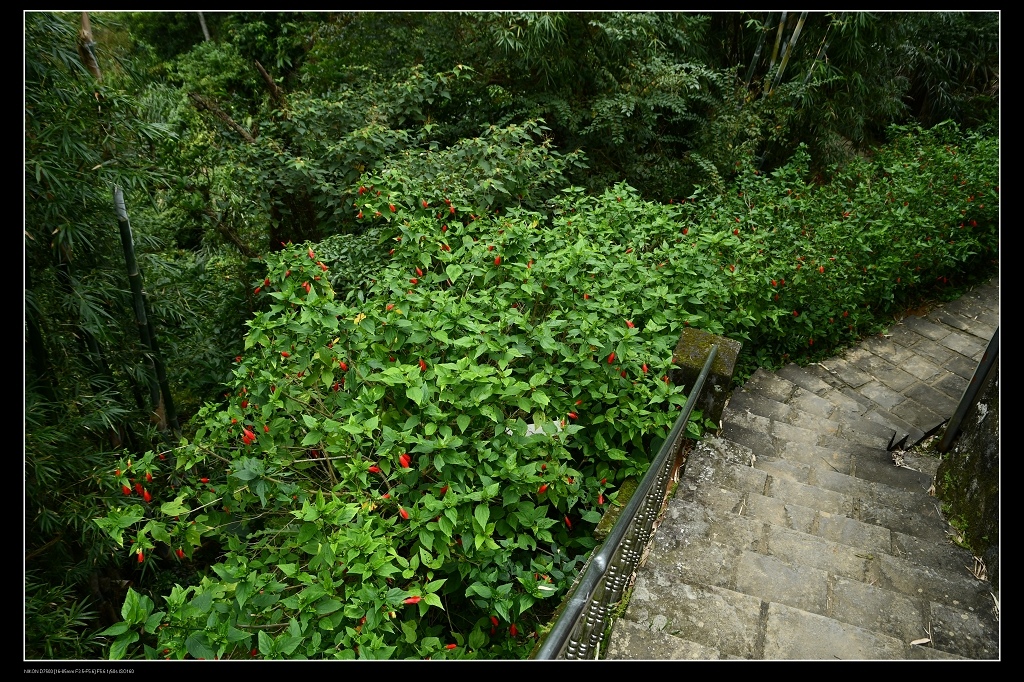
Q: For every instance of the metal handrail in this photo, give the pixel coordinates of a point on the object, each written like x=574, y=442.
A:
x=579, y=629
x=970, y=396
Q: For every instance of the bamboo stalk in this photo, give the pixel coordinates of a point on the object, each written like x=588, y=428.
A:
x=163, y=404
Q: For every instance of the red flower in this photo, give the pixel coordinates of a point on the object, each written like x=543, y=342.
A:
x=512, y=630
x=404, y=514
x=419, y=272
x=568, y=522
x=306, y=286
x=423, y=365
x=245, y=403
x=344, y=367
x=494, y=620
x=796, y=314
x=322, y=267
x=285, y=354
x=630, y=324
x=821, y=269
x=413, y=280
x=204, y=480
x=138, y=488
x=732, y=268
x=415, y=599
x=736, y=232
x=573, y=415
x=611, y=358
x=444, y=228
x=256, y=290
x=374, y=469
x=362, y=189
x=424, y=203
x=141, y=556
x=540, y=490
x=497, y=260
x=775, y=283
x=392, y=207
x=312, y=256
x=404, y=460
x=451, y=210
x=450, y=646
x=126, y=490
x=287, y=272
x=445, y=247
x=180, y=553
x=248, y=437
x=644, y=368
x=146, y=496
x=600, y=499
x=685, y=231
x=359, y=215
x=629, y=250
x=623, y=373
x=444, y=490
x=149, y=477
x=266, y=429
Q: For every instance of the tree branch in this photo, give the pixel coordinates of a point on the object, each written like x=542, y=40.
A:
x=202, y=104
x=230, y=235
x=275, y=91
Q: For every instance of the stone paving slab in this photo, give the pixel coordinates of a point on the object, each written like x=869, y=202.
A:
x=935, y=332
x=635, y=642
x=792, y=634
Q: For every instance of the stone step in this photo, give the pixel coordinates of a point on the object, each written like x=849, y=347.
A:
x=633, y=641
x=729, y=552
x=768, y=438
x=853, y=537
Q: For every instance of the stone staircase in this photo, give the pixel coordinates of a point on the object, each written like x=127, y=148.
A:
x=794, y=534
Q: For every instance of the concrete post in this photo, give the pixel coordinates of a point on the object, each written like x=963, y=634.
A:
x=688, y=360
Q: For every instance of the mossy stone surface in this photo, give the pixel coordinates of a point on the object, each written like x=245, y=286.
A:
x=689, y=357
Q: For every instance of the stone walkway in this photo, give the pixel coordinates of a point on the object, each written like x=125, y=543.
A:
x=792, y=534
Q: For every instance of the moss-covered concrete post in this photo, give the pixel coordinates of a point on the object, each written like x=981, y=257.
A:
x=688, y=360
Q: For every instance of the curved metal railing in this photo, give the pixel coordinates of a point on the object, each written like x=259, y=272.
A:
x=578, y=631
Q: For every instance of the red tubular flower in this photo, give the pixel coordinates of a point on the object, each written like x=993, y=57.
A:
x=573, y=415
x=126, y=490
x=362, y=189
x=285, y=354
x=542, y=489
x=630, y=324
x=445, y=247
x=266, y=429
x=256, y=290
x=404, y=514
x=494, y=620
x=444, y=491
x=686, y=231
x=568, y=522
x=344, y=367
x=180, y=553
x=512, y=630
x=423, y=365
x=415, y=599
x=146, y=496
x=245, y=403
x=138, y=488
x=404, y=460
x=821, y=269
x=141, y=556
x=497, y=260
x=204, y=480
x=322, y=267
x=149, y=477
x=444, y=228
x=451, y=209
x=796, y=314
x=450, y=646
x=419, y=273
x=413, y=280
x=392, y=207
x=611, y=358
x=425, y=203
x=736, y=232
x=643, y=367
x=374, y=469
x=306, y=286
x=600, y=498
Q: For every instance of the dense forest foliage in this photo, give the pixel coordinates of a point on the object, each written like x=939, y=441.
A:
x=297, y=285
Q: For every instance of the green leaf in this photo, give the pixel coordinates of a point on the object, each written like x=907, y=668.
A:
x=453, y=271
x=120, y=645
x=414, y=393
x=463, y=422
x=482, y=513
x=176, y=507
